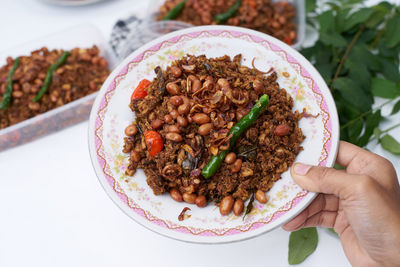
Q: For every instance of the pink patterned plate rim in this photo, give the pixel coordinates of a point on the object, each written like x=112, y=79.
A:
x=110, y=115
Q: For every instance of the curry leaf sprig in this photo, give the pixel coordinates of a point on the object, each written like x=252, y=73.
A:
x=357, y=53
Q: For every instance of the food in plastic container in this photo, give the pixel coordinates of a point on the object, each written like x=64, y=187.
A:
x=65, y=115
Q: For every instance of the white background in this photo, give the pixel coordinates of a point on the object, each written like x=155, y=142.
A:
x=53, y=211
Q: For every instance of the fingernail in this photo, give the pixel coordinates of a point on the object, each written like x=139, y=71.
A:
x=301, y=169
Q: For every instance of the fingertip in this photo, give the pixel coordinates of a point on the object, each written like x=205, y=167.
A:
x=300, y=169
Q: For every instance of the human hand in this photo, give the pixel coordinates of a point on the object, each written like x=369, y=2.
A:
x=361, y=203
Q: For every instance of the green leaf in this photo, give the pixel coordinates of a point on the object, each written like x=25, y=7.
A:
x=311, y=5
x=396, y=108
x=326, y=21
x=358, y=73
x=341, y=16
x=388, y=52
x=361, y=55
x=392, y=33
x=354, y=130
x=325, y=69
x=390, y=144
x=377, y=133
x=332, y=231
x=389, y=70
x=360, y=16
x=301, y=244
x=351, y=91
x=333, y=38
x=371, y=123
x=339, y=167
x=376, y=18
x=383, y=88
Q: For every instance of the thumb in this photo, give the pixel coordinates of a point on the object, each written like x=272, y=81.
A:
x=322, y=179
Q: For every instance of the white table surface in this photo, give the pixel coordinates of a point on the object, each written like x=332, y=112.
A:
x=53, y=211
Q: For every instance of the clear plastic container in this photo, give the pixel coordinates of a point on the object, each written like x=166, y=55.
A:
x=74, y=112
x=300, y=19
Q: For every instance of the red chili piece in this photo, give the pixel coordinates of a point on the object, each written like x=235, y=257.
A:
x=154, y=142
x=140, y=91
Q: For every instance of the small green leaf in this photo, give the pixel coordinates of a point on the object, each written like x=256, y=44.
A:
x=389, y=70
x=396, y=108
x=390, y=144
x=325, y=70
x=377, y=133
x=338, y=167
x=371, y=123
x=358, y=73
x=376, y=18
x=311, y=5
x=351, y=91
x=383, y=88
x=360, y=16
x=354, y=130
x=361, y=55
x=332, y=231
x=341, y=16
x=392, y=35
x=301, y=244
x=326, y=21
x=392, y=53
x=333, y=38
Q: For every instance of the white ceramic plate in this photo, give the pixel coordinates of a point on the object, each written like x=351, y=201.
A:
x=111, y=114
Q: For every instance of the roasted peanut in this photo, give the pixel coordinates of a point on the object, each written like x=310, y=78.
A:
x=226, y=205
x=131, y=130
x=168, y=118
x=230, y=158
x=34, y=106
x=182, y=121
x=196, y=85
x=184, y=108
x=67, y=86
x=201, y=201
x=172, y=88
x=201, y=118
x=157, y=124
x=205, y=129
x=261, y=197
x=175, y=195
x=189, y=198
x=238, y=207
x=281, y=130
x=174, y=137
x=17, y=94
x=176, y=71
x=236, y=166
x=173, y=129
x=176, y=100
x=174, y=113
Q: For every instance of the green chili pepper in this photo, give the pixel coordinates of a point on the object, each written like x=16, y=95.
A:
x=173, y=13
x=236, y=131
x=9, y=87
x=49, y=75
x=221, y=18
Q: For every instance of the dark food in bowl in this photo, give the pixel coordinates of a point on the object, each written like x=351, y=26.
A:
x=274, y=18
x=83, y=73
x=183, y=119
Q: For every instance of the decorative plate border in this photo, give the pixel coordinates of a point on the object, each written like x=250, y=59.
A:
x=100, y=114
